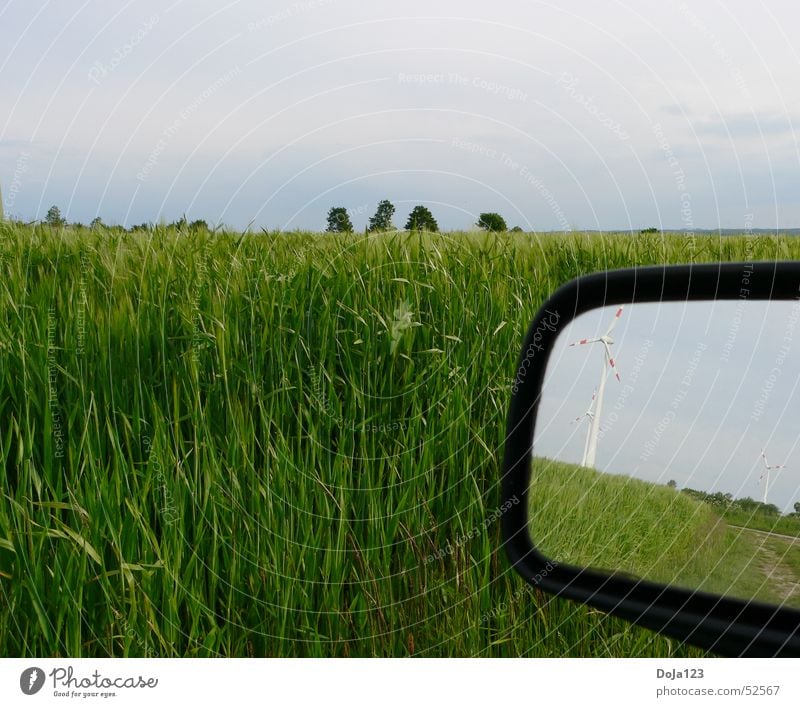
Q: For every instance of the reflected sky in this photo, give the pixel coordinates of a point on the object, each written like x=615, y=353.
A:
x=704, y=387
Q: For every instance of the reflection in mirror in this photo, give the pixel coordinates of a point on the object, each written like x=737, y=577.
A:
x=666, y=446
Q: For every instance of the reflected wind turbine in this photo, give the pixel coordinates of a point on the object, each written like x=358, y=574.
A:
x=590, y=414
x=767, y=469
x=608, y=363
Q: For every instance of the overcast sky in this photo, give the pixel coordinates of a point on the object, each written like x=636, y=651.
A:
x=568, y=115
x=704, y=387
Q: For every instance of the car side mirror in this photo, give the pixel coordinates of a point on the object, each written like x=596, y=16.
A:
x=648, y=463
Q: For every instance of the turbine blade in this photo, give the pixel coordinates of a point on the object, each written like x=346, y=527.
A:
x=769, y=466
x=584, y=341
x=611, y=361
x=614, y=321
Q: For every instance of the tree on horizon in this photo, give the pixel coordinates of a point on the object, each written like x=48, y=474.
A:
x=54, y=217
x=339, y=220
x=382, y=220
x=421, y=219
x=493, y=222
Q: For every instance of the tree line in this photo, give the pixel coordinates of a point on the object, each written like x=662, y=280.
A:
x=420, y=219
x=726, y=502
x=56, y=220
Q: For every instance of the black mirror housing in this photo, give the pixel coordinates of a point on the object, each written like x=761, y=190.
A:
x=726, y=626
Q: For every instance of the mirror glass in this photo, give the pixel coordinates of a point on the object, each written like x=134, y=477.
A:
x=666, y=446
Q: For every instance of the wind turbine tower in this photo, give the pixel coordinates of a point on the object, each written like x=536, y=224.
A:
x=765, y=475
x=590, y=414
x=608, y=364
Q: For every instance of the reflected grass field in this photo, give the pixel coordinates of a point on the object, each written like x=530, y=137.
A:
x=610, y=522
x=251, y=445
x=624, y=525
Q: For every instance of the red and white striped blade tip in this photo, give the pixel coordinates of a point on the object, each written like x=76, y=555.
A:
x=613, y=364
x=584, y=341
x=614, y=320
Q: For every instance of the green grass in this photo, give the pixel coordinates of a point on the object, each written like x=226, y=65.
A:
x=756, y=566
x=611, y=522
x=783, y=525
x=243, y=445
x=587, y=518
x=783, y=565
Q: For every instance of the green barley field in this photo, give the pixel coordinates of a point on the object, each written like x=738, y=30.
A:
x=217, y=444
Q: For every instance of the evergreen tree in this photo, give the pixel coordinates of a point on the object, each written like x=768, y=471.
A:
x=421, y=219
x=382, y=220
x=54, y=217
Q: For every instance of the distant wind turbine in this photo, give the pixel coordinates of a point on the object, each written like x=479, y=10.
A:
x=608, y=363
x=765, y=475
x=590, y=414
